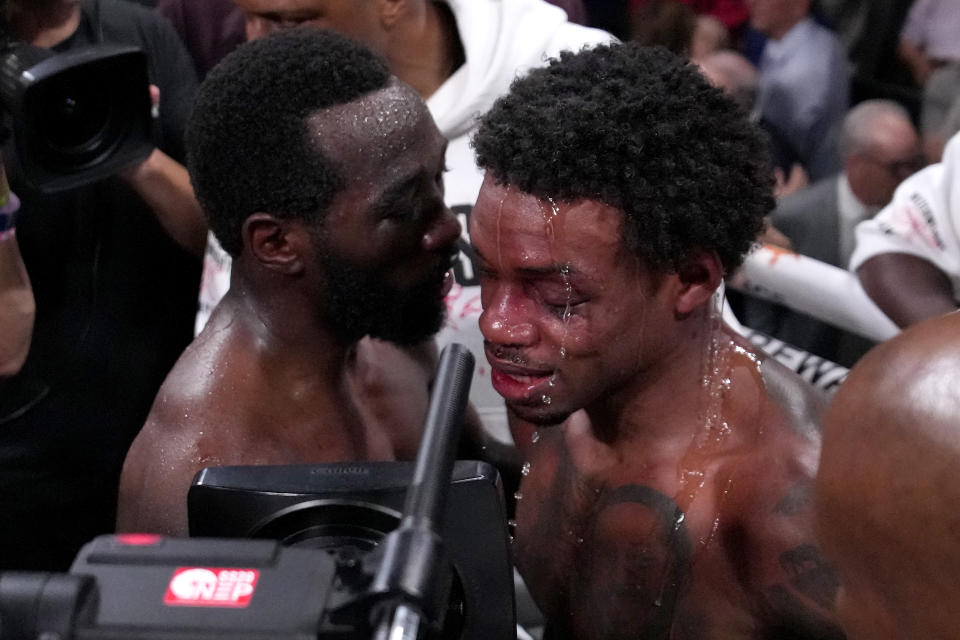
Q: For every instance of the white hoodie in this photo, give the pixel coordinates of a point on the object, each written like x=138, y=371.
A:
x=501, y=40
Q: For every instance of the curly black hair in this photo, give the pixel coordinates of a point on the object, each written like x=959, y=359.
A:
x=247, y=139
x=641, y=130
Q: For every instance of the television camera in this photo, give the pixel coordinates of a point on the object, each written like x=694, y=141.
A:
x=341, y=559
x=75, y=117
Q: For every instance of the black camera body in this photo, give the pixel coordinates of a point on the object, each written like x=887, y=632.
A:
x=355, y=505
x=76, y=117
x=315, y=578
x=135, y=587
x=359, y=550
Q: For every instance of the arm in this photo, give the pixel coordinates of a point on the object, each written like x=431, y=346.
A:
x=164, y=185
x=772, y=236
x=785, y=185
x=17, y=307
x=162, y=180
x=153, y=485
x=906, y=288
x=796, y=587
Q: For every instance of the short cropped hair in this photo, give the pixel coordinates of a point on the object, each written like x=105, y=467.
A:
x=247, y=141
x=639, y=129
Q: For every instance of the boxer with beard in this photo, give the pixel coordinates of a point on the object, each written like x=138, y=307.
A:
x=668, y=463
x=321, y=174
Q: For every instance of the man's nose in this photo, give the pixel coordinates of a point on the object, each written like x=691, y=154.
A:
x=505, y=319
x=443, y=233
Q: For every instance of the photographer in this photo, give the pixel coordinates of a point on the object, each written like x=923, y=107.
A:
x=114, y=268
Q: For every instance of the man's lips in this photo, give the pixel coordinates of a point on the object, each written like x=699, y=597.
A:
x=517, y=383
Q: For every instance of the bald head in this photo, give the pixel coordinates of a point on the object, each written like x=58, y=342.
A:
x=873, y=122
x=887, y=493
x=880, y=148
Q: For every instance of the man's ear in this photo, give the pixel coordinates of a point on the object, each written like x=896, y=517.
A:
x=698, y=277
x=276, y=244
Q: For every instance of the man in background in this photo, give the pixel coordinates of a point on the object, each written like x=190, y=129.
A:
x=880, y=148
x=324, y=182
x=459, y=55
x=114, y=267
x=908, y=256
x=668, y=463
x=928, y=45
x=804, y=81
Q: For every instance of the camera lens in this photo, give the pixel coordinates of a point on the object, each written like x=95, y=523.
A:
x=76, y=116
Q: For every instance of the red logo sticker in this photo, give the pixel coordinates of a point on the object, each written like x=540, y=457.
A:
x=210, y=587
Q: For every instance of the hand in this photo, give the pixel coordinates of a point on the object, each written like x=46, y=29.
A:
x=136, y=171
x=771, y=235
x=17, y=308
x=164, y=185
x=786, y=185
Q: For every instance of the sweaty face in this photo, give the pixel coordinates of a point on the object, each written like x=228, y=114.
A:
x=387, y=242
x=570, y=316
x=354, y=18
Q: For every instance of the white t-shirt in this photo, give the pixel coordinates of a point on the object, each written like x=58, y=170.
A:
x=922, y=220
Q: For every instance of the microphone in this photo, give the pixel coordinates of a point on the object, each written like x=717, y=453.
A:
x=415, y=575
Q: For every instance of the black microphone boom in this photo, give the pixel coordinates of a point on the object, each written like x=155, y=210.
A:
x=415, y=572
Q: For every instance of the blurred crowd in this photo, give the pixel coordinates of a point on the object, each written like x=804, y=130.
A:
x=176, y=268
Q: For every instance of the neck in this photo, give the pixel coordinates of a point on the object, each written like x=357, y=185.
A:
x=665, y=405
x=288, y=337
x=47, y=24
x=428, y=50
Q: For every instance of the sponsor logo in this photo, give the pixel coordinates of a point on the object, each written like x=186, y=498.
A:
x=211, y=587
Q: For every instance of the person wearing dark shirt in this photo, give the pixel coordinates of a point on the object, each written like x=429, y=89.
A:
x=210, y=28
x=114, y=268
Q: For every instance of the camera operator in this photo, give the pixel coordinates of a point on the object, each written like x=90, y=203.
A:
x=114, y=268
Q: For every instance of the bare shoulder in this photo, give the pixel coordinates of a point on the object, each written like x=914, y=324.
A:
x=158, y=470
x=801, y=403
x=773, y=536
x=793, y=587
x=924, y=354
x=184, y=432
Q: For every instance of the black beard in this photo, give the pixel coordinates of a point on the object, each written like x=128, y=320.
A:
x=359, y=302
x=538, y=417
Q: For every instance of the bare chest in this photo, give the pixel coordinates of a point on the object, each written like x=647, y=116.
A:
x=627, y=552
